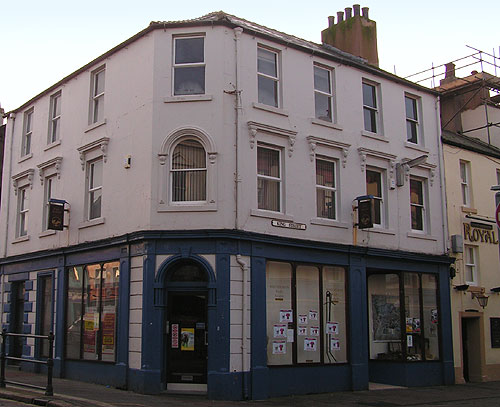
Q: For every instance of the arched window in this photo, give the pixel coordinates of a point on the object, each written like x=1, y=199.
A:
x=189, y=172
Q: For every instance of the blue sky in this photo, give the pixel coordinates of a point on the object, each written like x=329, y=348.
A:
x=44, y=41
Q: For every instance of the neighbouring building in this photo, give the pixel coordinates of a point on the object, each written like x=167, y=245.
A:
x=470, y=115
x=210, y=171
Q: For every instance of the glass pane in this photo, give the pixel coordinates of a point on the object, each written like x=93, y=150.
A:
x=268, y=162
x=417, y=218
x=54, y=134
x=189, y=154
x=268, y=194
x=95, y=204
x=189, y=50
x=414, y=343
x=325, y=202
x=99, y=83
x=189, y=186
x=27, y=144
x=369, y=96
x=74, y=312
x=411, y=131
x=370, y=118
x=280, y=316
x=46, y=313
x=322, y=80
x=411, y=108
x=98, y=109
x=268, y=91
x=110, y=284
x=384, y=317
x=188, y=272
x=189, y=80
x=325, y=173
x=431, y=316
x=308, y=315
x=334, y=315
x=374, y=183
x=322, y=105
x=96, y=174
x=416, y=194
x=91, y=320
x=266, y=62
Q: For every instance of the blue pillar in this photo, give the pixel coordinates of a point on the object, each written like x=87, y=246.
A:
x=446, y=329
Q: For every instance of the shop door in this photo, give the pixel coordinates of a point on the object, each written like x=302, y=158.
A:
x=187, y=338
x=471, y=349
x=17, y=321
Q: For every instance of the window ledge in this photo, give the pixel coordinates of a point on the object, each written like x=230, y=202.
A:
x=382, y=231
x=52, y=145
x=202, y=207
x=329, y=222
x=93, y=222
x=375, y=136
x=95, y=126
x=47, y=233
x=422, y=236
x=262, y=213
x=21, y=239
x=468, y=209
x=188, y=98
x=25, y=157
x=416, y=147
x=325, y=123
x=271, y=109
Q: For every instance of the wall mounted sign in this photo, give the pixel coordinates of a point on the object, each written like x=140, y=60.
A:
x=495, y=332
x=482, y=234
x=56, y=216
x=288, y=225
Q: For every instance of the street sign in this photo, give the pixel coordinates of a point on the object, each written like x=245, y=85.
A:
x=497, y=215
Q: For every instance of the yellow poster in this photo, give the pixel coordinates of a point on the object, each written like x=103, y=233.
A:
x=187, y=339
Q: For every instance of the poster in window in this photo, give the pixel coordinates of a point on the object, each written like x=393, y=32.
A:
x=289, y=335
x=108, y=333
x=416, y=325
x=302, y=331
x=434, y=316
x=303, y=319
x=332, y=328
x=409, y=324
x=286, y=315
x=310, y=344
x=385, y=314
x=334, y=344
x=89, y=334
x=280, y=330
x=279, y=347
x=175, y=336
x=187, y=339
x=314, y=331
x=313, y=315
x=409, y=341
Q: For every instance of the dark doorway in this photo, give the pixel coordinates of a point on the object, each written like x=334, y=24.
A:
x=17, y=320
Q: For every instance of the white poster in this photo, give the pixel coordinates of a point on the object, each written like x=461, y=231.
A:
x=334, y=344
x=314, y=331
x=310, y=344
x=302, y=331
x=332, y=328
x=280, y=331
x=409, y=340
x=279, y=347
x=313, y=315
x=289, y=335
x=286, y=315
x=303, y=319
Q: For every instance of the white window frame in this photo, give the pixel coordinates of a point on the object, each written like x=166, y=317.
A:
x=91, y=188
x=48, y=191
x=96, y=97
x=278, y=179
x=471, y=264
x=175, y=65
x=373, y=109
x=333, y=190
x=27, y=142
x=465, y=186
x=413, y=121
x=422, y=206
x=275, y=79
x=22, y=212
x=381, y=200
x=54, y=118
x=329, y=95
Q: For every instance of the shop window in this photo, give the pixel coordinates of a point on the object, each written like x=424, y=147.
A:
x=403, y=315
x=92, y=308
x=45, y=287
x=306, y=314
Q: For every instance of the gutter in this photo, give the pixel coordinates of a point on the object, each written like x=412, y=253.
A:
x=444, y=204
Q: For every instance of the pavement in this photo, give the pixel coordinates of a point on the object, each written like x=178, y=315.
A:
x=70, y=393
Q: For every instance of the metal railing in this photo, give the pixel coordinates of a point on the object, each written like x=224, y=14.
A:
x=49, y=391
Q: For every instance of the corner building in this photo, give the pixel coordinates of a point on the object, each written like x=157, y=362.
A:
x=209, y=170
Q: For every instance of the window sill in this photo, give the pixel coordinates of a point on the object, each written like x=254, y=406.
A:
x=95, y=126
x=271, y=109
x=188, y=98
x=416, y=147
x=21, y=239
x=25, y=157
x=382, y=230
x=374, y=136
x=423, y=236
x=262, y=213
x=467, y=209
x=52, y=145
x=329, y=223
x=90, y=223
x=202, y=207
x=325, y=123
x=47, y=233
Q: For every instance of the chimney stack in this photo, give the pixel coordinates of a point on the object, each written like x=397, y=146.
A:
x=356, y=34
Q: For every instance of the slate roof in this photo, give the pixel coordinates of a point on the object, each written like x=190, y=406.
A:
x=470, y=143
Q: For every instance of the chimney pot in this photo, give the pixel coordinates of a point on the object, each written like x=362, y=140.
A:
x=474, y=72
x=356, y=9
x=450, y=70
x=331, y=21
x=348, y=13
x=340, y=16
x=365, y=12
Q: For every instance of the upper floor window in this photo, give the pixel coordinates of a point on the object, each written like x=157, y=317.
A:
x=54, y=118
x=268, y=77
x=323, y=94
x=471, y=261
x=49, y=185
x=370, y=107
x=269, y=178
x=375, y=187
x=94, y=189
x=465, y=182
x=189, y=66
x=22, y=212
x=326, y=189
x=412, y=124
x=27, y=132
x=189, y=172
x=417, y=205
x=97, y=95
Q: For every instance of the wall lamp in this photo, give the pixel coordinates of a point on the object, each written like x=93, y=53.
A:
x=482, y=299
x=404, y=166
